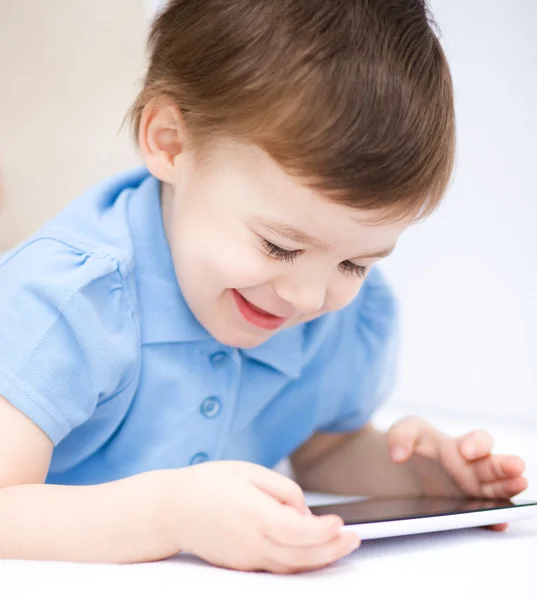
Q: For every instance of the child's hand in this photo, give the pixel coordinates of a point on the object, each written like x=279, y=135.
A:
x=456, y=466
x=242, y=516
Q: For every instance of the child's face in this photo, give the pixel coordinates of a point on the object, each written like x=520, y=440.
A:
x=245, y=271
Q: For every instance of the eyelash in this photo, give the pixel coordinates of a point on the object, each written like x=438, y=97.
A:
x=278, y=253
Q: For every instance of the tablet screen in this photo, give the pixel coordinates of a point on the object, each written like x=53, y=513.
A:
x=374, y=510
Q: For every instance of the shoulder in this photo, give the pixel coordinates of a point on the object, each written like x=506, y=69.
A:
x=48, y=284
x=69, y=335
x=54, y=260
x=85, y=249
x=71, y=285
x=97, y=221
x=375, y=309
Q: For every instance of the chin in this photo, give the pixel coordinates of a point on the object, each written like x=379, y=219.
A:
x=241, y=339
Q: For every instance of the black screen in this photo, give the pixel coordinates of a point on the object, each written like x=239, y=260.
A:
x=374, y=510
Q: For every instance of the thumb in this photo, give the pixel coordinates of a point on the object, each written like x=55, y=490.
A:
x=283, y=489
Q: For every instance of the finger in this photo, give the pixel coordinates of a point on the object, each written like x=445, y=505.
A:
x=461, y=472
x=475, y=444
x=498, y=467
x=402, y=437
x=286, y=526
x=410, y=435
x=500, y=527
x=281, y=488
x=288, y=559
x=504, y=489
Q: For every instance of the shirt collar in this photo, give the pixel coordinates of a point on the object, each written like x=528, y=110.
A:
x=165, y=315
x=284, y=351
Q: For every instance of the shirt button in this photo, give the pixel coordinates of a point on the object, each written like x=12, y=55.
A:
x=198, y=458
x=211, y=407
x=218, y=359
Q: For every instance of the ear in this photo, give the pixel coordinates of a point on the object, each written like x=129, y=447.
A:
x=161, y=138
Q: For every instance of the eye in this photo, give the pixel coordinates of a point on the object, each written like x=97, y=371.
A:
x=352, y=269
x=279, y=253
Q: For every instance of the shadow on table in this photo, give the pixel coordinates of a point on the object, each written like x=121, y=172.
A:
x=388, y=549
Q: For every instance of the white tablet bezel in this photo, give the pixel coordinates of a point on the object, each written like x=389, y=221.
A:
x=411, y=526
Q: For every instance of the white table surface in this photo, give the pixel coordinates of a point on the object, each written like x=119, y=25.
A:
x=465, y=564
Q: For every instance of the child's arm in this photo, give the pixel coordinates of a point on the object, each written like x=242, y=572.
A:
x=356, y=463
x=232, y=514
x=411, y=458
x=119, y=522
x=123, y=521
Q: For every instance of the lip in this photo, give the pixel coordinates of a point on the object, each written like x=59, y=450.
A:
x=255, y=316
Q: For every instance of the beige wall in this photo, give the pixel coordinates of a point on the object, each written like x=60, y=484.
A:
x=68, y=72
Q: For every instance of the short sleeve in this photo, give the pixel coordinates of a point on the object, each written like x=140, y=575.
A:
x=362, y=367
x=68, y=337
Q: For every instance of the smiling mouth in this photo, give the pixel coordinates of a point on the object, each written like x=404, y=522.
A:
x=257, y=316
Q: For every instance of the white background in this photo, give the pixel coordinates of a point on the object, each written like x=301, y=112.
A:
x=467, y=278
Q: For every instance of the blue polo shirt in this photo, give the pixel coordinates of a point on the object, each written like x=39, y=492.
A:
x=100, y=350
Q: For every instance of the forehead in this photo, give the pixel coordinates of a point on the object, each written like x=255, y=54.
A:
x=259, y=190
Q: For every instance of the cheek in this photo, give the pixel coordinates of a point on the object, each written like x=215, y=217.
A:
x=240, y=268
x=221, y=262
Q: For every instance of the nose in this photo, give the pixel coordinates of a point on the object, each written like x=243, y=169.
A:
x=305, y=296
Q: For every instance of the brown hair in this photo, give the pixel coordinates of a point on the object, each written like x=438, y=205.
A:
x=352, y=96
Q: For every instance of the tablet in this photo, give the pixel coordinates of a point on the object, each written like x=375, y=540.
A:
x=386, y=517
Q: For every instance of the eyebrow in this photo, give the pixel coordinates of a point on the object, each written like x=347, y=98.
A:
x=291, y=233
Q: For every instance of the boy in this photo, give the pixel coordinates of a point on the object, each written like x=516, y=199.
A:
x=179, y=329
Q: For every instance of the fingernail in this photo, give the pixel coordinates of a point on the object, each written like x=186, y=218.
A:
x=399, y=453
